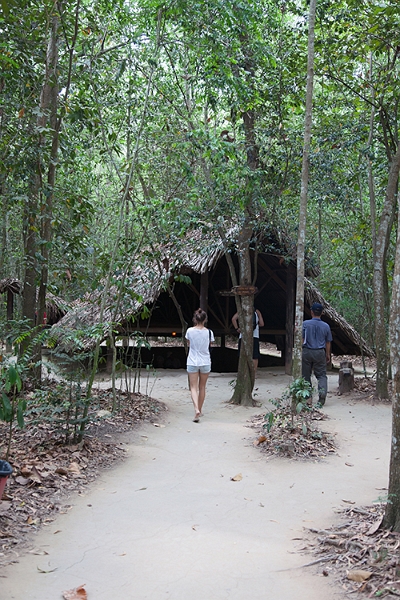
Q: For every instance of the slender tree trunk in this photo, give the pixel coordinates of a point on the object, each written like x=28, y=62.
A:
x=243, y=392
x=392, y=514
x=50, y=100
x=382, y=241
x=298, y=333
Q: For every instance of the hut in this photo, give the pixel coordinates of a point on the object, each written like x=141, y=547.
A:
x=195, y=273
x=56, y=307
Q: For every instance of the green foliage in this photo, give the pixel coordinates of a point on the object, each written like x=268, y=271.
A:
x=292, y=408
x=12, y=373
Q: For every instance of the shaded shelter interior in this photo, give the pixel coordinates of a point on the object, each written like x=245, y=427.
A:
x=212, y=289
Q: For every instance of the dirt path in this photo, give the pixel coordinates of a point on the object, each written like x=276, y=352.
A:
x=169, y=522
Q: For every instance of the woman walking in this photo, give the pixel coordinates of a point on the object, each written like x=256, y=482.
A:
x=199, y=360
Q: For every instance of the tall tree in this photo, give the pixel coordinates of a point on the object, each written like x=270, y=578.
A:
x=298, y=341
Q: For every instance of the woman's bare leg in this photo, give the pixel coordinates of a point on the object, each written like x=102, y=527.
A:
x=202, y=389
x=194, y=392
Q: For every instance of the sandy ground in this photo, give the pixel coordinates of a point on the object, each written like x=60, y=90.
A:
x=170, y=523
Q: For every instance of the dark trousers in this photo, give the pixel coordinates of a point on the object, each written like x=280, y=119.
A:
x=314, y=359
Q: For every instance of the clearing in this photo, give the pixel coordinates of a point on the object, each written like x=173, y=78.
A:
x=169, y=521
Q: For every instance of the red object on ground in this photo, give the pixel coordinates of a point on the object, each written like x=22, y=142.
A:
x=5, y=471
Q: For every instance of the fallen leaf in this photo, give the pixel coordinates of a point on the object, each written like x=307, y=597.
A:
x=359, y=575
x=22, y=480
x=57, y=531
x=78, y=593
x=74, y=468
x=103, y=413
x=375, y=526
x=62, y=471
x=348, y=501
x=237, y=477
x=141, y=489
x=49, y=571
x=349, y=465
x=260, y=440
x=4, y=506
x=158, y=425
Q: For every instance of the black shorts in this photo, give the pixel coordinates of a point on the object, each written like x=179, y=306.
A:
x=256, y=347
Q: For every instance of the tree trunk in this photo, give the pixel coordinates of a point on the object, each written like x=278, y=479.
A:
x=298, y=331
x=50, y=100
x=243, y=393
x=392, y=514
x=41, y=202
x=382, y=242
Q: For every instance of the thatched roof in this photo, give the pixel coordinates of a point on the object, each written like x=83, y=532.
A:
x=197, y=253
x=56, y=307
x=10, y=285
x=340, y=327
x=125, y=297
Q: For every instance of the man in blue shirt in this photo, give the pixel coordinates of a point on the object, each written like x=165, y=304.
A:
x=317, y=338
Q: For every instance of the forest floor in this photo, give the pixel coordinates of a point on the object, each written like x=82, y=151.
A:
x=340, y=529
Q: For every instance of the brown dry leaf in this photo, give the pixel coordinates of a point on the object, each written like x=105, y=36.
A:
x=78, y=593
x=375, y=526
x=62, y=471
x=359, y=575
x=260, y=440
x=26, y=471
x=36, y=476
x=237, y=477
x=349, y=464
x=74, y=468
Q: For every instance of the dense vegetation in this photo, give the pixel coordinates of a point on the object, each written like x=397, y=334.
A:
x=125, y=125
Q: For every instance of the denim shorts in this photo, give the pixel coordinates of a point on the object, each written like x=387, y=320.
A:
x=201, y=369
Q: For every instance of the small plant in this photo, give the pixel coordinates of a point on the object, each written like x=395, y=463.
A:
x=288, y=428
x=11, y=406
x=294, y=402
x=300, y=392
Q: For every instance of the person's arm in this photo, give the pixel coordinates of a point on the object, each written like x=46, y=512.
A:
x=260, y=319
x=328, y=352
x=235, y=322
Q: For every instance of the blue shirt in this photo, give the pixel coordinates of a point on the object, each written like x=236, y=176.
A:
x=316, y=333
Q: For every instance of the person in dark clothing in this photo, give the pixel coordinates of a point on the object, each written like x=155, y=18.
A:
x=317, y=338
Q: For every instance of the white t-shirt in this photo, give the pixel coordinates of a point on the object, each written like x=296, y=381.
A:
x=256, y=330
x=199, y=352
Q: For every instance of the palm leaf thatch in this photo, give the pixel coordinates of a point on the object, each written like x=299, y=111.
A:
x=337, y=323
x=156, y=269
x=56, y=307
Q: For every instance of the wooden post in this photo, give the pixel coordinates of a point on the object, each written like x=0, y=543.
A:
x=346, y=377
x=10, y=305
x=10, y=314
x=290, y=307
x=204, y=291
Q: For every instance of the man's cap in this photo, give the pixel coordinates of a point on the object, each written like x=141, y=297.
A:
x=317, y=308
